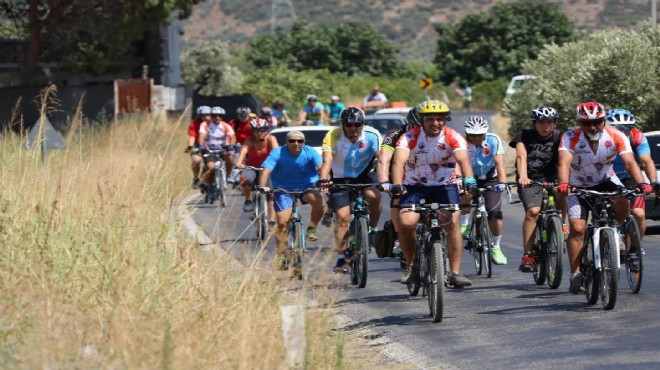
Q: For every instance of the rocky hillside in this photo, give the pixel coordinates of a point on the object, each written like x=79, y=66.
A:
x=407, y=23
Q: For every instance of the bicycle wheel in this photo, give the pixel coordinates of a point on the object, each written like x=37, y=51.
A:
x=475, y=246
x=591, y=276
x=221, y=185
x=632, y=254
x=361, y=257
x=261, y=211
x=436, y=281
x=485, y=243
x=295, y=249
x=553, y=252
x=416, y=282
x=609, y=272
x=540, y=268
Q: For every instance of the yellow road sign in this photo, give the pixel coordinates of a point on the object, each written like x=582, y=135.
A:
x=426, y=83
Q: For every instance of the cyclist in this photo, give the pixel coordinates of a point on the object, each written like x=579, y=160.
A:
x=334, y=110
x=585, y=160
x=304, y=161
x=254, y=151
x=313, y=112
x=624, y=121
x=486, y=153
x=385, y=159
x=203, y=115
x=424, y=167
x=280, y=113
x=349, y=152
x=536, y=160
x=267, y=114
x=216, y=135
x=241, y=124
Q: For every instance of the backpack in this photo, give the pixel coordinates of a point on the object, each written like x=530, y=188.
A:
x=384, y=241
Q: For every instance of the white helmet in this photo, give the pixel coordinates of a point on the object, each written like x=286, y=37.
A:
x=203, y=110
x=217, y=111
x=476, y=125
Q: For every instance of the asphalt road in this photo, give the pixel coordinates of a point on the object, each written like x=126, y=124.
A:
x=505, y=322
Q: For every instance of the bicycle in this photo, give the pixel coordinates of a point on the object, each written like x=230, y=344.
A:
x=218, y=190
x=358, y=247
x=260, y=211
x=599, y=258
x=296, y=234
x=480, y=237
x=431, y=264
x=632, y=253
x=548, y=240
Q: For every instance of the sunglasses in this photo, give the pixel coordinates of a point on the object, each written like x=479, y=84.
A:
x=476, y=135
x=299, y=141
x=356, y=124
x=259, y=129
x=216, y=116
x=591, y=123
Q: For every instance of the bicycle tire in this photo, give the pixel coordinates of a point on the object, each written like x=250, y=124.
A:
x=262, y=217
x=539, y=273
x=475, y=250
x=361, y=256
x=436, y=281
x=296, y=250
x=609, y=272
x=486, y=243
x=416, y=282
x=553, y=251
x=591, y=276
x=632, y=255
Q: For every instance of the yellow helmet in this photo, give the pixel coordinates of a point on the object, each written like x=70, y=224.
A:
x=433, y=107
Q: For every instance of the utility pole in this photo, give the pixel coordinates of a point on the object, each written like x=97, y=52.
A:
x=654, y=13
x=282, y=15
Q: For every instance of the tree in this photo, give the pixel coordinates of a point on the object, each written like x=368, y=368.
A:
x=620, y=69
x=209, y=69
x=90, y=36
x=486, y=46
x=352, y=48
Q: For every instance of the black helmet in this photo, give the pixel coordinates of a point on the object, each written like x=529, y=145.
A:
x=351, y=115
x=544, y=112
x=413, y=116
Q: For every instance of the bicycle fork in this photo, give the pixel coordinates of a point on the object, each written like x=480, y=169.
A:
x=596, y=245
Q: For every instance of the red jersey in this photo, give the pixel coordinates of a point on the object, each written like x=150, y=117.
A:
x=193, y=128
x=242, y=130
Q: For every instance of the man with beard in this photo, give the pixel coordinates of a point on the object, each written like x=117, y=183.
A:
x=536, y=160
x=585, y=160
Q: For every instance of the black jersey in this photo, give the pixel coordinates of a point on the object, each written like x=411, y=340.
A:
x=542, y=154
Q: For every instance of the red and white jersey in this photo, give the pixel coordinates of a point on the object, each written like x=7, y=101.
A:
x=216, y=134
x=587, y=168
x=431, y=161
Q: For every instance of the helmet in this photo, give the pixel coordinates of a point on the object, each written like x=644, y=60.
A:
x=544, y=112
x=476, y=125
x=266, y=110
x=217, y=111
x=203, y=110
x=243, y=112
x=311, y=97
x=620, y=118
x=351, y=115
x=434, y=107
x=278, y=105
x=256, y=123
x=590, y=110
x=413, y=116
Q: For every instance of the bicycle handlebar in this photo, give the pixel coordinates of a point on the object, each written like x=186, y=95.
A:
x=432, y=207
x=604, y=194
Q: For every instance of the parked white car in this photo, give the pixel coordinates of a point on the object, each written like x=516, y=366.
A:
x=400, y=111
x=517, y=82
x=313, y=134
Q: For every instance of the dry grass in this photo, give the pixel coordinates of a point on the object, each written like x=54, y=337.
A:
x=94, y=274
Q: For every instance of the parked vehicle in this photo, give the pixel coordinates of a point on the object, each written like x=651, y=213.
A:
x=385, y=123
x=517, y=82
x=652, y=205
x=313, y=134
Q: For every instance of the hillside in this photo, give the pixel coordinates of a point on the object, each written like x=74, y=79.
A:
x=407, y=23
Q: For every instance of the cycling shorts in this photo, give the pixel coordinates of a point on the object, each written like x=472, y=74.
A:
x=445, y=194
x=578, y=207
x=284, y=201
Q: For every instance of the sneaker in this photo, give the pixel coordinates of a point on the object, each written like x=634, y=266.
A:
x=195, y=184
x=326, y=220
x=311, y=234
x=397, y=248
x=465, y=229
x=458, y=280
x=280, y=262
x=408, y=274
x=527, y=263
x=575, y=286
x=341, y=266
x=247, y=206
x=272, y=224
x=498, y=257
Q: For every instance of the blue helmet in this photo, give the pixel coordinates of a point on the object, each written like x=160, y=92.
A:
x=621, y=119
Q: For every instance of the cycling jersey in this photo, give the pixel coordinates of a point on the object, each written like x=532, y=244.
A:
x=389, y=141
x=482, y=157
x=283, y=164
x=351, y=159
x=431, y=161
x=587, y=168
x=242, y=129
x=193, y=129
x=334, y=110
x=216, y=134
x=313, y=113
x=256, y=157
x=542, y=157
x=639, y=145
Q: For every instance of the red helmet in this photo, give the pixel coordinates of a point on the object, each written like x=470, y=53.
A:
x=590, y=110
x=257, y=123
